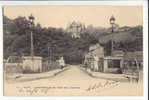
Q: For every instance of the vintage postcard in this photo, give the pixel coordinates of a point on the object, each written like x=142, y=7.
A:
x=79, y=50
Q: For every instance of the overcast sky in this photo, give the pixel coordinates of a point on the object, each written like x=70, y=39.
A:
x=60, y=16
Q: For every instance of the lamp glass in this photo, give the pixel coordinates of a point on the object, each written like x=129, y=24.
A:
x=112, y=21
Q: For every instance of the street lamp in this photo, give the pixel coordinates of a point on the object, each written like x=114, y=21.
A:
x=31, y=19
x=112, y=22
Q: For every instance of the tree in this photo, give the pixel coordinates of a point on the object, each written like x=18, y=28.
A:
x=17, y=40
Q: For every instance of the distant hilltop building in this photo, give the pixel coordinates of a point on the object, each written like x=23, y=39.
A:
x=75, y=28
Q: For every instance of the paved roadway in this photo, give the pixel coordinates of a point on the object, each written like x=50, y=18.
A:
x=72, y=82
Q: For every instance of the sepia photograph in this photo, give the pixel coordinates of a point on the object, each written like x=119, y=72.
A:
x=73, y=50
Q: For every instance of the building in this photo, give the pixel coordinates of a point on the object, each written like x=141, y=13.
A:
x=96, y=49
x=96, y=52
x=75, y=28
x=108, y=64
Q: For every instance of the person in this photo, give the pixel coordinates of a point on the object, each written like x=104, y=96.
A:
x=85, y=63
x=62, y=62
x=92, y=61
x=96, y=59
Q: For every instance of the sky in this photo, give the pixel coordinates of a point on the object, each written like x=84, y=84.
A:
x=61, y=16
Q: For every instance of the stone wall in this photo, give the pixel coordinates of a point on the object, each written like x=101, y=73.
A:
x=32, y=64
x=114, y=69
x=13, y=68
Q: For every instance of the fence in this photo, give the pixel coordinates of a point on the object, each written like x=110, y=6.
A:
x=18, y=67
x=48, y=65
x=13, y=68
x=13, y=65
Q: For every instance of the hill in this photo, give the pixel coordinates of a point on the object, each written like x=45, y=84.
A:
x=58, y=42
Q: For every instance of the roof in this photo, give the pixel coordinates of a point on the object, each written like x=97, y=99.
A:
x=94, y=47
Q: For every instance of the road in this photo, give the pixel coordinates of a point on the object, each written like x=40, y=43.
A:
x=71, y=82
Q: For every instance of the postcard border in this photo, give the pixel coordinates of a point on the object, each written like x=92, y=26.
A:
x=118, y=3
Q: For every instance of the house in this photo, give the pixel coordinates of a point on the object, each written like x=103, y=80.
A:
x=75, y=29
x=95, y=53
x=112, y=64
x=96, y=49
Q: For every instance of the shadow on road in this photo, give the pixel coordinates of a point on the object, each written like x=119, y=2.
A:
x=61, y=71
x=37, y=78
x=106, y=78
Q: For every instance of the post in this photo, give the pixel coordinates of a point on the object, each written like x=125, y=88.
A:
x=48, y=51
x=48, y=56
x=51, y=55
x=105, y=65
x=31, y=18
x=32, y=45
x=112, y=41
x=32, y=50
x=138, y=71
x=112, y=22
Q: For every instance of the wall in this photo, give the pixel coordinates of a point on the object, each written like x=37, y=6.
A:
x=112, y=70
x=13, y=67
x=48, y=65
x=32, y=64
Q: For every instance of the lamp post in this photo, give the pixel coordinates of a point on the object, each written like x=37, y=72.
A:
x=31, y=18
x=112, y=22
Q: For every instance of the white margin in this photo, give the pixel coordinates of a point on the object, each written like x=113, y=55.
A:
x=118, y=3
